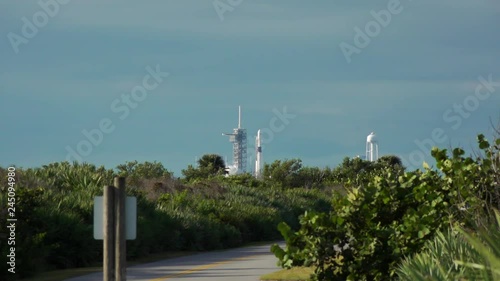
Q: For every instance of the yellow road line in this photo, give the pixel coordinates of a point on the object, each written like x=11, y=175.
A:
x=201, y=267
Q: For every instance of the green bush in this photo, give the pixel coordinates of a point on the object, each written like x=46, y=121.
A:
x=370, y=229
x=31, y=247
x=437, y=260
x=390, y=215
x=55, y=213
x=457, y=255
x=71, y=241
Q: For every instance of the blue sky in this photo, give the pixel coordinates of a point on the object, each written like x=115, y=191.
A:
x=263, y=55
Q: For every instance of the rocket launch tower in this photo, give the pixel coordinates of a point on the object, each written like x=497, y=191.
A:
x=239, y=140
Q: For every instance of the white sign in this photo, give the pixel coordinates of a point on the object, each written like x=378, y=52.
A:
x=130, y=218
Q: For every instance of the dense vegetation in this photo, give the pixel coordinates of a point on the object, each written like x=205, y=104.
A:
x=358, y=221
x=389, y=214
x=54, y=208
x=456, y=255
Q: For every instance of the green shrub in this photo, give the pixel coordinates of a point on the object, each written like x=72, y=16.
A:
x=71, y=241
x=31, y=247
x=55, y=204
x=457, y=255
x=389, y=215
x=370, y=229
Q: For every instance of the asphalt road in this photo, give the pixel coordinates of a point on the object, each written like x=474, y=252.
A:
x=242, y=264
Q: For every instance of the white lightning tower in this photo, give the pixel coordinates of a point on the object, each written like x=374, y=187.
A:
x=239, y=140
x=371, y=147
x=258, y=155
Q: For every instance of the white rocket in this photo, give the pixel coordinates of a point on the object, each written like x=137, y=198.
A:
x=258, y=157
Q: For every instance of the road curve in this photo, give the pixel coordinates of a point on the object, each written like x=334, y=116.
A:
x=242, y=264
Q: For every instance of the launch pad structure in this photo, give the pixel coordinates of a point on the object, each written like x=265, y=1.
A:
x=239, y=140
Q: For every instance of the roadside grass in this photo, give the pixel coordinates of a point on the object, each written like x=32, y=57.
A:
x=60, y=275
x=295, y=274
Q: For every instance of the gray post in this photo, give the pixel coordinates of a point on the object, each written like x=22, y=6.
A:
x=120, y=242
x=109, y=233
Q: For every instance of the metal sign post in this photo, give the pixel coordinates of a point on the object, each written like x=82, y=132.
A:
x=109, y=234
x=115, y=219
x=120, y=243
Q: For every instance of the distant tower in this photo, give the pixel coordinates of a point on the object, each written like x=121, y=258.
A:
x=258, y=155
x=239, y=140
x=371, y=147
